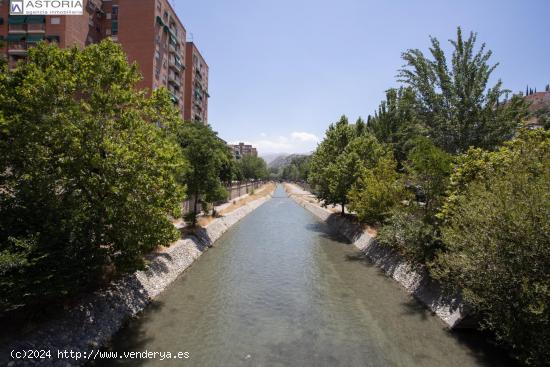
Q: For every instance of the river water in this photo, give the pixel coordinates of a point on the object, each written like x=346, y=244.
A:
x=280, y=290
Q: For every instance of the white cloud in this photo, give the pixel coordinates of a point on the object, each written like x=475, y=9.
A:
x=295, y=142
x=303, y=136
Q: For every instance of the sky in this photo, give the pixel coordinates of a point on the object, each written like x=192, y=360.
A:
x=282, y=71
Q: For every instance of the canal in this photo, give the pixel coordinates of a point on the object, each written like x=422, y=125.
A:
x=280, y=290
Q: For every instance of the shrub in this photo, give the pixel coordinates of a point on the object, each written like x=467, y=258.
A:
x=429, y=168
x=410, y=235
x=377, y=191
x=497, y=245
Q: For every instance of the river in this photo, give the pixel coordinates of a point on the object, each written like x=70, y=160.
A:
x=279, y=289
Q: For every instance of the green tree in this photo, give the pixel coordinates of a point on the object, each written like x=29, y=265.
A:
x=253, y=167
x=413, y=229
x=429, y=169
x=87, y=176
x=497, y=244
x=377, y=190
x=457, y=105
x=208, y=157
x=397, y=122
x=336, y=164
x=297, y=170
x=337, y=138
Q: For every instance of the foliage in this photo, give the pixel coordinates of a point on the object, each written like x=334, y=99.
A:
x=377, y=190
x=410, y=235
x=336, y=164
x=297, y=170
x=428, y=170
x=87, y=177
x=543, y=117
x=457, y=105
x=252, y=167
x=208, y=157
x=497, y=243
x=397, y=121
x=338, y=136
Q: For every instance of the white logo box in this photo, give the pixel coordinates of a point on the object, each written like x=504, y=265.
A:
x=46, y=7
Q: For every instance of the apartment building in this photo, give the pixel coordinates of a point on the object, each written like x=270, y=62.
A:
x=152, y=35
x=240, y=150
x=149, y=31
x=196, y=86
x=19, y=32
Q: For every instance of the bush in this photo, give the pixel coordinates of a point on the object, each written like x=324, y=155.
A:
x=407, y=233
x=428, y=168
x=377, y=191
x=87, y=178
x=497, y=245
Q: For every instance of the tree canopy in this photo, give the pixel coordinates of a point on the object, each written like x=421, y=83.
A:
x=208, y=158
x=456, y=103
x=87, y=176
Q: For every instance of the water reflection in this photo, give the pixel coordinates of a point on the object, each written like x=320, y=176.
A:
x=279, y=289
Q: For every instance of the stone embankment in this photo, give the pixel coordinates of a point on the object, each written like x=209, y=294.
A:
x=414, y=279
x=95, y=319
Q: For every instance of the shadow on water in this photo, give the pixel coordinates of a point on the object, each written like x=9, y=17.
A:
x=132, y=337
x=481, y=345
x=324, y=231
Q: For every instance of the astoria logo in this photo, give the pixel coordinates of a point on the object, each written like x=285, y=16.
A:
x=16, y=7
x=46, y=7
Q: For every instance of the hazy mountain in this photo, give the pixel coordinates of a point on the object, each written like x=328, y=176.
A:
x=270, y=157
x=283, y=160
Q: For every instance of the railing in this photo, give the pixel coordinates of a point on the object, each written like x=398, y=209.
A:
x=175, y=79
x=17, y=46
x=17, y=28
x=237, y=189
x=33, y=27
x=175, y=64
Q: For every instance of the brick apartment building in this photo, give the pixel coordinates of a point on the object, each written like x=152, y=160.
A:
x=149, y=31
x=196, y=81
x=240, y=150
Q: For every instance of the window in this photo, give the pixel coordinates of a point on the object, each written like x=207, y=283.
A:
x=108, y=16
x=115, y=12
x=55, y=20
x=114, y=27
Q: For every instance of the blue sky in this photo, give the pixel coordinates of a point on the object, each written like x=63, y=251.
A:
x=282, y=71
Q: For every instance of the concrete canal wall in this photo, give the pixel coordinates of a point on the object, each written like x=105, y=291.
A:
x=93, y=321
x=415, y=280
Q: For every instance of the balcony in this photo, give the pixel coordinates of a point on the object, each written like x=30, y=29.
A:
x=175, y=64
x=174, y=79
x=17, y=47
x=36, y=28
x=174, y=98
x=17, y=28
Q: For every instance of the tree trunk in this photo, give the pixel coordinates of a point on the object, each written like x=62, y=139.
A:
x=343, y=208
x=196, y=199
